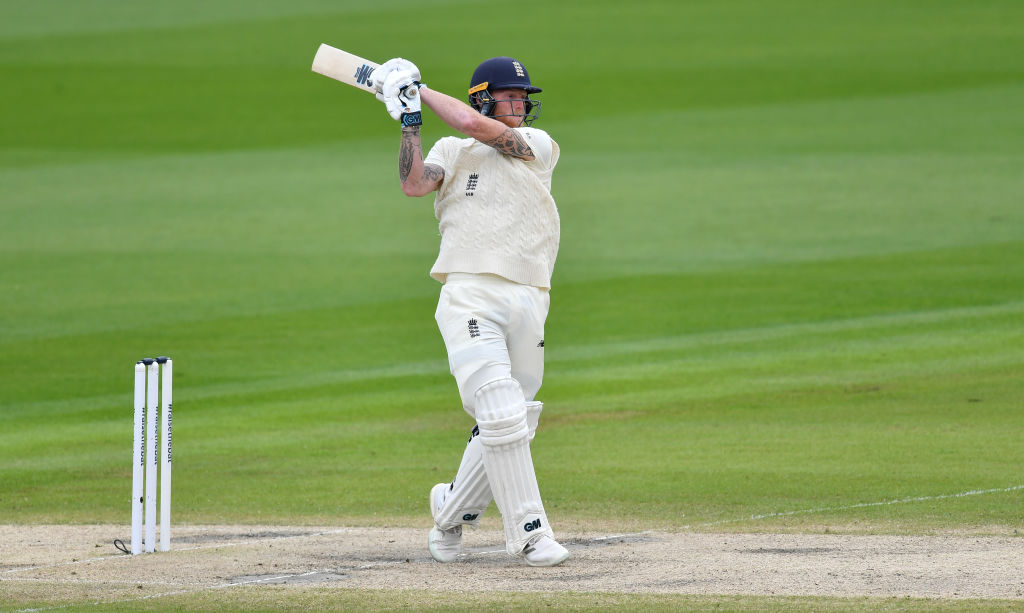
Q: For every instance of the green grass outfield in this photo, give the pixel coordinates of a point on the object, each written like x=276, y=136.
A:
x=270, y=599
x=790, y=286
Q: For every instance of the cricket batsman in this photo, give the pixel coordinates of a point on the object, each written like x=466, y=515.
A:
x=499, y=238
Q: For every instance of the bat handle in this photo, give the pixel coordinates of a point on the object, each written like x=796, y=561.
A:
x=411, y=92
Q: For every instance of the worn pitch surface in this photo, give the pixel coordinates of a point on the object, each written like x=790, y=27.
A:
x=79, y=563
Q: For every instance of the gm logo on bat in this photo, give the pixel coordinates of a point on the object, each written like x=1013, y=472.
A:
x=362, y=75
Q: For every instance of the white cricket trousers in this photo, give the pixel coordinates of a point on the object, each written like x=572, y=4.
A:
x=494, y=332
x=493, y=328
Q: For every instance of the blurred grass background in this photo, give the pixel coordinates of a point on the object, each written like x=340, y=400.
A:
x=791, y=273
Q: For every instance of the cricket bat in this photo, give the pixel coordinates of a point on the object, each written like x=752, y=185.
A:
x=347, y=68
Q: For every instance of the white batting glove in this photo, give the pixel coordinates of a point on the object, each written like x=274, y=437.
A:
x=393, y=104
x=400, y=94
x=390, y=66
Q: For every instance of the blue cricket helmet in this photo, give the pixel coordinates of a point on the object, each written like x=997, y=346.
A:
x=501, y=73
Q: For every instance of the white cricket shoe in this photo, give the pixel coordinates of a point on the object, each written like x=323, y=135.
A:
x=545, y=551
x=444, y=545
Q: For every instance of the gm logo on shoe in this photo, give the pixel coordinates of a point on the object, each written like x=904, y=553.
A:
x=533, y=525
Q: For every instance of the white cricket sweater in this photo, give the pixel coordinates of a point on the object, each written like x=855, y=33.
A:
x=495, y=212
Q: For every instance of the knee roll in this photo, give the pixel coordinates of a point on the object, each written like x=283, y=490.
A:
x=501, y=412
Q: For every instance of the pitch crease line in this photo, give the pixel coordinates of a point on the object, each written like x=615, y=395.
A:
x=596, y=539
x=862, y=505
x=178, y=549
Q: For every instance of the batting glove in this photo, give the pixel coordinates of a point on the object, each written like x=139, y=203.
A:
x=378, y=77
x=400, y=94
x=393, y=104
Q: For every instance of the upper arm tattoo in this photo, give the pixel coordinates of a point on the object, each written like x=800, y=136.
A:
x=433, y=173
x=511, y=142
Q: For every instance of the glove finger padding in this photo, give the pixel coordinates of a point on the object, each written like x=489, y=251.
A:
x=393, y=104
x=397, y=81
x=390, y=66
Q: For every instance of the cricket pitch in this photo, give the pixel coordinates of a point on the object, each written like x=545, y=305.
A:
x=63, y=564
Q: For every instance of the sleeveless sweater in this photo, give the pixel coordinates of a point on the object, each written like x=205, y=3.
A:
x=495, y=212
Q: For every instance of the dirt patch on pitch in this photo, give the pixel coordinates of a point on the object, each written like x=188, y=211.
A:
x=80, y=564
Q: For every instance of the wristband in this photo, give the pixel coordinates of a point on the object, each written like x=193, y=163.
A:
x=412, y=119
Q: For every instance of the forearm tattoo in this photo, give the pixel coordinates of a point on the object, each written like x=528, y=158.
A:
x=510, y=142
x=408, y=151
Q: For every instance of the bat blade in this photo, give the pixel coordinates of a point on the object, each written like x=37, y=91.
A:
x=344, y=67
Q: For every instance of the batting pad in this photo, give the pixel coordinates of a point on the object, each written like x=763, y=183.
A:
x=504, y=433
x=469, y=495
